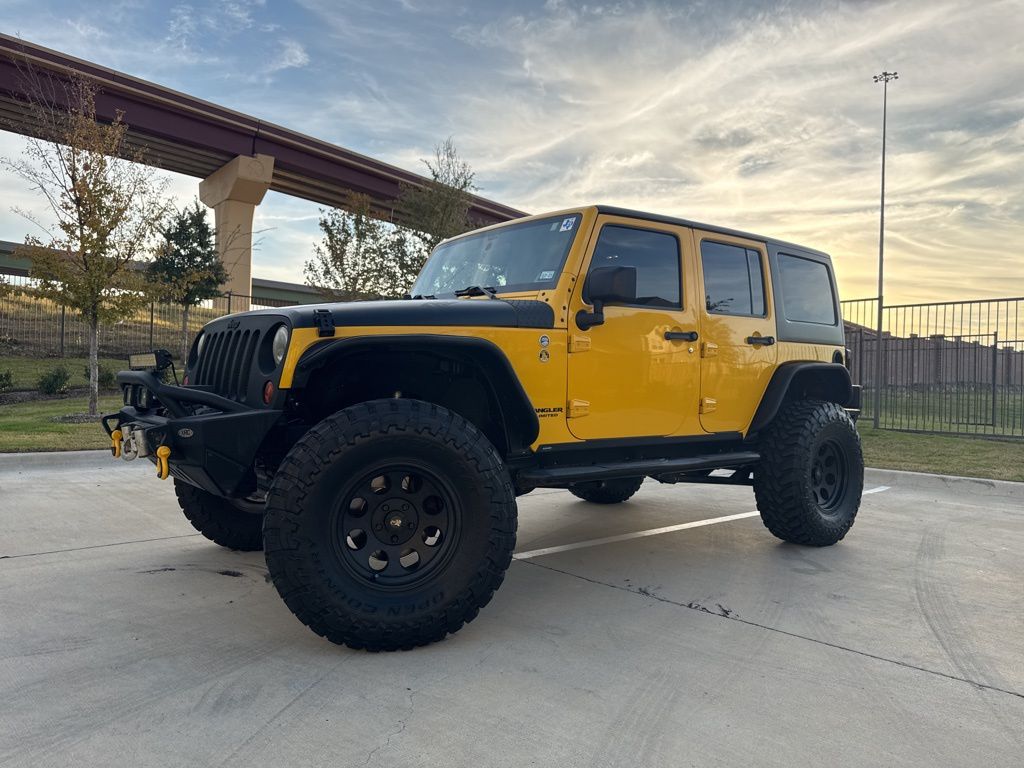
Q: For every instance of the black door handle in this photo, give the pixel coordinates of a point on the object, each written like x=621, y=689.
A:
x=764, y=340
x=681, y=335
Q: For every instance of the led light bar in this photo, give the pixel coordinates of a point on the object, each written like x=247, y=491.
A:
x=156, y=360
x=144, y=361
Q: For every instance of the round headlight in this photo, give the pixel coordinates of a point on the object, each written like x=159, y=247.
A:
x=280, y=345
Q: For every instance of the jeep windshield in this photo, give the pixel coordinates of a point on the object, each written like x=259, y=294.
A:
x=516, y=257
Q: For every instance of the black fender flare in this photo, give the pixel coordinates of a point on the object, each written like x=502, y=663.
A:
x=830, y=381
x=516, y=412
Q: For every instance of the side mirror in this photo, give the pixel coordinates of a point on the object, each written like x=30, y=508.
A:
x=606, y=285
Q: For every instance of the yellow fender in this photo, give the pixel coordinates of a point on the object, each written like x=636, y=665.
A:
x=115, y=443
x=163, y=468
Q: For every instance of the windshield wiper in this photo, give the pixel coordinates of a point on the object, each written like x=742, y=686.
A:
x=475, y=290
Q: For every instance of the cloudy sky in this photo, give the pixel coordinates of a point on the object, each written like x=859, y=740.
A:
x=757, y=115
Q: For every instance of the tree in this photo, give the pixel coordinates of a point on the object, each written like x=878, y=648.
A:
x=360, y=257
x=363, y=257
x=439, y=209
x=186, y=268
x=105, y=205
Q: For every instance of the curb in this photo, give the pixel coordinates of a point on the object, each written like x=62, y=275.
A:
x=55, y=460
x=923, y=481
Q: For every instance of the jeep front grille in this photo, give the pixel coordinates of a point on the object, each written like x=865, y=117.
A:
x=225, y=362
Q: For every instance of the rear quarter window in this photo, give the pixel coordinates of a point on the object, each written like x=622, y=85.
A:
x=806, y=291
x=733, y=279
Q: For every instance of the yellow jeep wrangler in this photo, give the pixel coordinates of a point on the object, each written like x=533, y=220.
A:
x=375, y=450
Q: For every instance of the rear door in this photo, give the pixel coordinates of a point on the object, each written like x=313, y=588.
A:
x=737, y=330
x=636, y=375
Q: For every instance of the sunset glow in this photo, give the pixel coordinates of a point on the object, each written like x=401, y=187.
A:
x=752, y=115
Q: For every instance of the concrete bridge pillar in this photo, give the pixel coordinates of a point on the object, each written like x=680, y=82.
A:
x=233, y=191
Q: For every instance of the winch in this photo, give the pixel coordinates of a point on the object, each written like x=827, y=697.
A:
x=129, y=443
x=132, y=442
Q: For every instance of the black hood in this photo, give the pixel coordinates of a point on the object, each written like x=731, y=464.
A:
x=497, y=313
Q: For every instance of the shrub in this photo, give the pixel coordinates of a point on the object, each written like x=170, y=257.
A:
x=107, y=377
x=6, y=381
x=55, y=381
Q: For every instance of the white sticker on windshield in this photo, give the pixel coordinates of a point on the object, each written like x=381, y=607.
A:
x=545, y=275
x=567, y=224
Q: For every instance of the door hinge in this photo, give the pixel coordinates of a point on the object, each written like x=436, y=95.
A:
x=579, y=343
x=578, y=408
x=708, y=349
x=324, y=321
x=708, y=404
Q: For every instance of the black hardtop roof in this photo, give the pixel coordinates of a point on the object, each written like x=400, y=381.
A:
x=612, y=210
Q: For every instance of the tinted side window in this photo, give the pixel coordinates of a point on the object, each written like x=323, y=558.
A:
x=655, y=256
x=733, y=281
x=806, y=291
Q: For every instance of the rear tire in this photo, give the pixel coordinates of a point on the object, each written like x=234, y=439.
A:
x=219, y=520
x=809, y=482
x=607, y=491
x=389, y=525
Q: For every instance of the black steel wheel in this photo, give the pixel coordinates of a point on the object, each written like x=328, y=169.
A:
x=396, y=525
x=389, y=525
x=809, y=481
x=830, y=470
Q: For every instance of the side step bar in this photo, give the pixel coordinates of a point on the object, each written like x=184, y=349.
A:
x=559, y=477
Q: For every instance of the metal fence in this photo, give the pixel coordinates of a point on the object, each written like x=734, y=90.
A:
x=39, y=327
x=953, y=367
x=950, y=367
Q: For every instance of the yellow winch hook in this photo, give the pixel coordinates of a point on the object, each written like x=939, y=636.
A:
x=115, y=443
x=163, y=468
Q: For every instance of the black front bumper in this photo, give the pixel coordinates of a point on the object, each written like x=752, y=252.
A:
x=213, y=440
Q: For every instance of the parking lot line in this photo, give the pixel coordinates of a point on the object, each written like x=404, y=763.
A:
x=650, y=532
x=628, y=536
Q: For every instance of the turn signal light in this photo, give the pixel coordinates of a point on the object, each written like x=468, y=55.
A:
x=268, y=392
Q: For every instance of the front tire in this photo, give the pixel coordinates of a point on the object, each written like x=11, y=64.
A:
x=607, y=491
x=809, y=482
x=389, y=525
x=220, y=520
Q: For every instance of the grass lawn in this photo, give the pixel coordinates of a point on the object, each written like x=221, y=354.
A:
x=26, y=371
x=969, y=457
x=30, y=426
x=967, y=410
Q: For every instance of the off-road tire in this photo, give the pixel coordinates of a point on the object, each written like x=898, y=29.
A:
x=219, y=520
x=802, y=498
x=607, y=491
x=311, y=503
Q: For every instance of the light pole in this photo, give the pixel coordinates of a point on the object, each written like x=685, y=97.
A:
x=884, y=79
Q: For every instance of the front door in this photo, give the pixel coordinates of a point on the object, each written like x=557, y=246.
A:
x=737, y=330
x=636, y=375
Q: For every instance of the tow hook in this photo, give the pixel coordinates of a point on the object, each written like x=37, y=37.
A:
x=163, y=467
x=115, y=443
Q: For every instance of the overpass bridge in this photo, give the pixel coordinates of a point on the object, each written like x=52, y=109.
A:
x=238, y=157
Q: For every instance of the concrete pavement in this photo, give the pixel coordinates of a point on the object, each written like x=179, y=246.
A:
x=127, y=639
